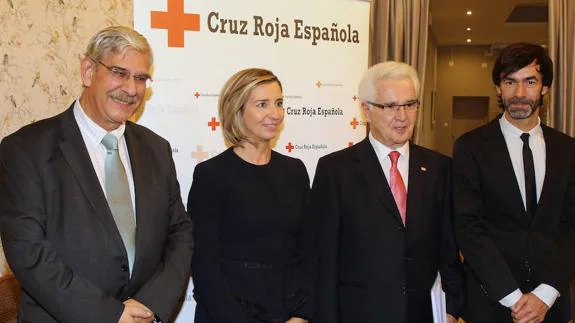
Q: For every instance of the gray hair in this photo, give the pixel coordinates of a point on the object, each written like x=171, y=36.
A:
x=115, y=40
x=386, y=71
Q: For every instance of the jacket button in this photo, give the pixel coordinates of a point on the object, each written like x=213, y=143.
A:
x=404, y=290
x=124, y=268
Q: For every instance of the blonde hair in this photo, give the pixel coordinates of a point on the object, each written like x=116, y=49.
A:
x=386, y=71
x=233, y=96
x=115, y=40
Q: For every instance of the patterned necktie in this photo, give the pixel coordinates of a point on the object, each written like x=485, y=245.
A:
x=397, y=186
x=118, y=196
x=529, y=170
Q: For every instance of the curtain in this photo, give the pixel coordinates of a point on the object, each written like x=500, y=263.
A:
x=399, y=32
x=562, y=51
x=561, y=114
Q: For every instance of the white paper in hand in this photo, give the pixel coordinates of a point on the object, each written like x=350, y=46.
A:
x=438, y=302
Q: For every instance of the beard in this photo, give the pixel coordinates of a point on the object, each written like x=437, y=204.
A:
x=519, y=113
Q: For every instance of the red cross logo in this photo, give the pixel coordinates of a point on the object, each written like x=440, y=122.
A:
x=318, y=84
x=197, y=94
x=354, y=98
x=176, y=22
x=200, y=155
x=354, y=123
x=289, y=147
x=349, y=144
x=213, y=124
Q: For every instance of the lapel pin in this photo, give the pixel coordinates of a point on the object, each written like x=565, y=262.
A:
x=423, y=169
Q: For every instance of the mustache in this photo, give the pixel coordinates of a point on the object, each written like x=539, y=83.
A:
x=130, y=99
x=516, y=100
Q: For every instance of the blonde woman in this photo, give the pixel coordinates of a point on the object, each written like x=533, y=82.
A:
x=254, y=258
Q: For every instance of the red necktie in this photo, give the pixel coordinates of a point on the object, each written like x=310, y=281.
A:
x=397, y=186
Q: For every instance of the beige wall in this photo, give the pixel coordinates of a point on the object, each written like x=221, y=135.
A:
x=470, y=75
x=41, y=44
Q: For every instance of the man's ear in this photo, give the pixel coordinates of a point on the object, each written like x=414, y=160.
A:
x=498, y=89
x=544, y=90
x=366, y=111
x=87, y=71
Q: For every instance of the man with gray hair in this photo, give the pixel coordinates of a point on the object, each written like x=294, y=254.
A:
x=383, y=209
x=91, y=217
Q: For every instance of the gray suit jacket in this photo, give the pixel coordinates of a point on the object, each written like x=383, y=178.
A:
x=59, y=235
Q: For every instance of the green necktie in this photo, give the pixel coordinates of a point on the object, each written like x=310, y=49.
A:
x=118, y=196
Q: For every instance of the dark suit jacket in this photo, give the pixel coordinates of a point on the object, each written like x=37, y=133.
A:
x=372, y=268
x=503, y=248
x=59, y=235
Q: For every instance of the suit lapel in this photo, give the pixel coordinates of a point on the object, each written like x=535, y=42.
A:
x=74, y=151
x=371, y=173
x=416, y=183
x=553, y=169
x=500, y=164
x=141, y=171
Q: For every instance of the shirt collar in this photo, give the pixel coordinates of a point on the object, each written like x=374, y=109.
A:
x=510, y=129
x=382, y=151
x=94, y=131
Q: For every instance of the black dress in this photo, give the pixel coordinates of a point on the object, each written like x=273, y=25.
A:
x=254, y=257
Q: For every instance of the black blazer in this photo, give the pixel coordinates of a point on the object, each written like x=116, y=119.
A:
x=372, y=268
x=503, y=248
x=255, y=258
x=60, y=237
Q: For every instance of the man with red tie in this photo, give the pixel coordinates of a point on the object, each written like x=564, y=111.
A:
x=384, y=220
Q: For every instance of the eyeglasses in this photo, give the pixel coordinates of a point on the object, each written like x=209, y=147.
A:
x=122, y=74
x=409, y=106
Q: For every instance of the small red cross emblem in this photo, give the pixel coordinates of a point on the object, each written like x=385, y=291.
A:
x=354, y=123
x=213, y=124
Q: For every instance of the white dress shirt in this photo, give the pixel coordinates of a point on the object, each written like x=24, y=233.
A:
x=512, y=134
x=382, y=152
x=93, y=134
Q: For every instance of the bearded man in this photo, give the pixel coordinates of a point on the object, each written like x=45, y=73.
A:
x=514, y=200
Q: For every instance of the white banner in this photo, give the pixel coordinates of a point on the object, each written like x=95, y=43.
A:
x=318, y=49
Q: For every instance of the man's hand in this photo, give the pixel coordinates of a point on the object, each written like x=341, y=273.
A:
x=296, y=320
x=451, y=319
x=136, y=312
x=529, y=308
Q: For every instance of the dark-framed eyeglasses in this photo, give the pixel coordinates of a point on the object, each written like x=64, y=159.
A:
x=122, y=74
x=409, y=106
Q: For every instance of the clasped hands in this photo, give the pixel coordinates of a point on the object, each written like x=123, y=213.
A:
x=136, y=312
x=529, y=308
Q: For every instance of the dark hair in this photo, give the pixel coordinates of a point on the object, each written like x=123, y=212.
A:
x=516, y=56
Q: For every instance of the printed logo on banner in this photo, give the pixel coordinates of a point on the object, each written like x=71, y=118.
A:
x=176, y=21
x=199, y=154
x=290, y=147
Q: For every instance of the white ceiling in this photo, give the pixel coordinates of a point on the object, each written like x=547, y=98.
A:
x=488, y=27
